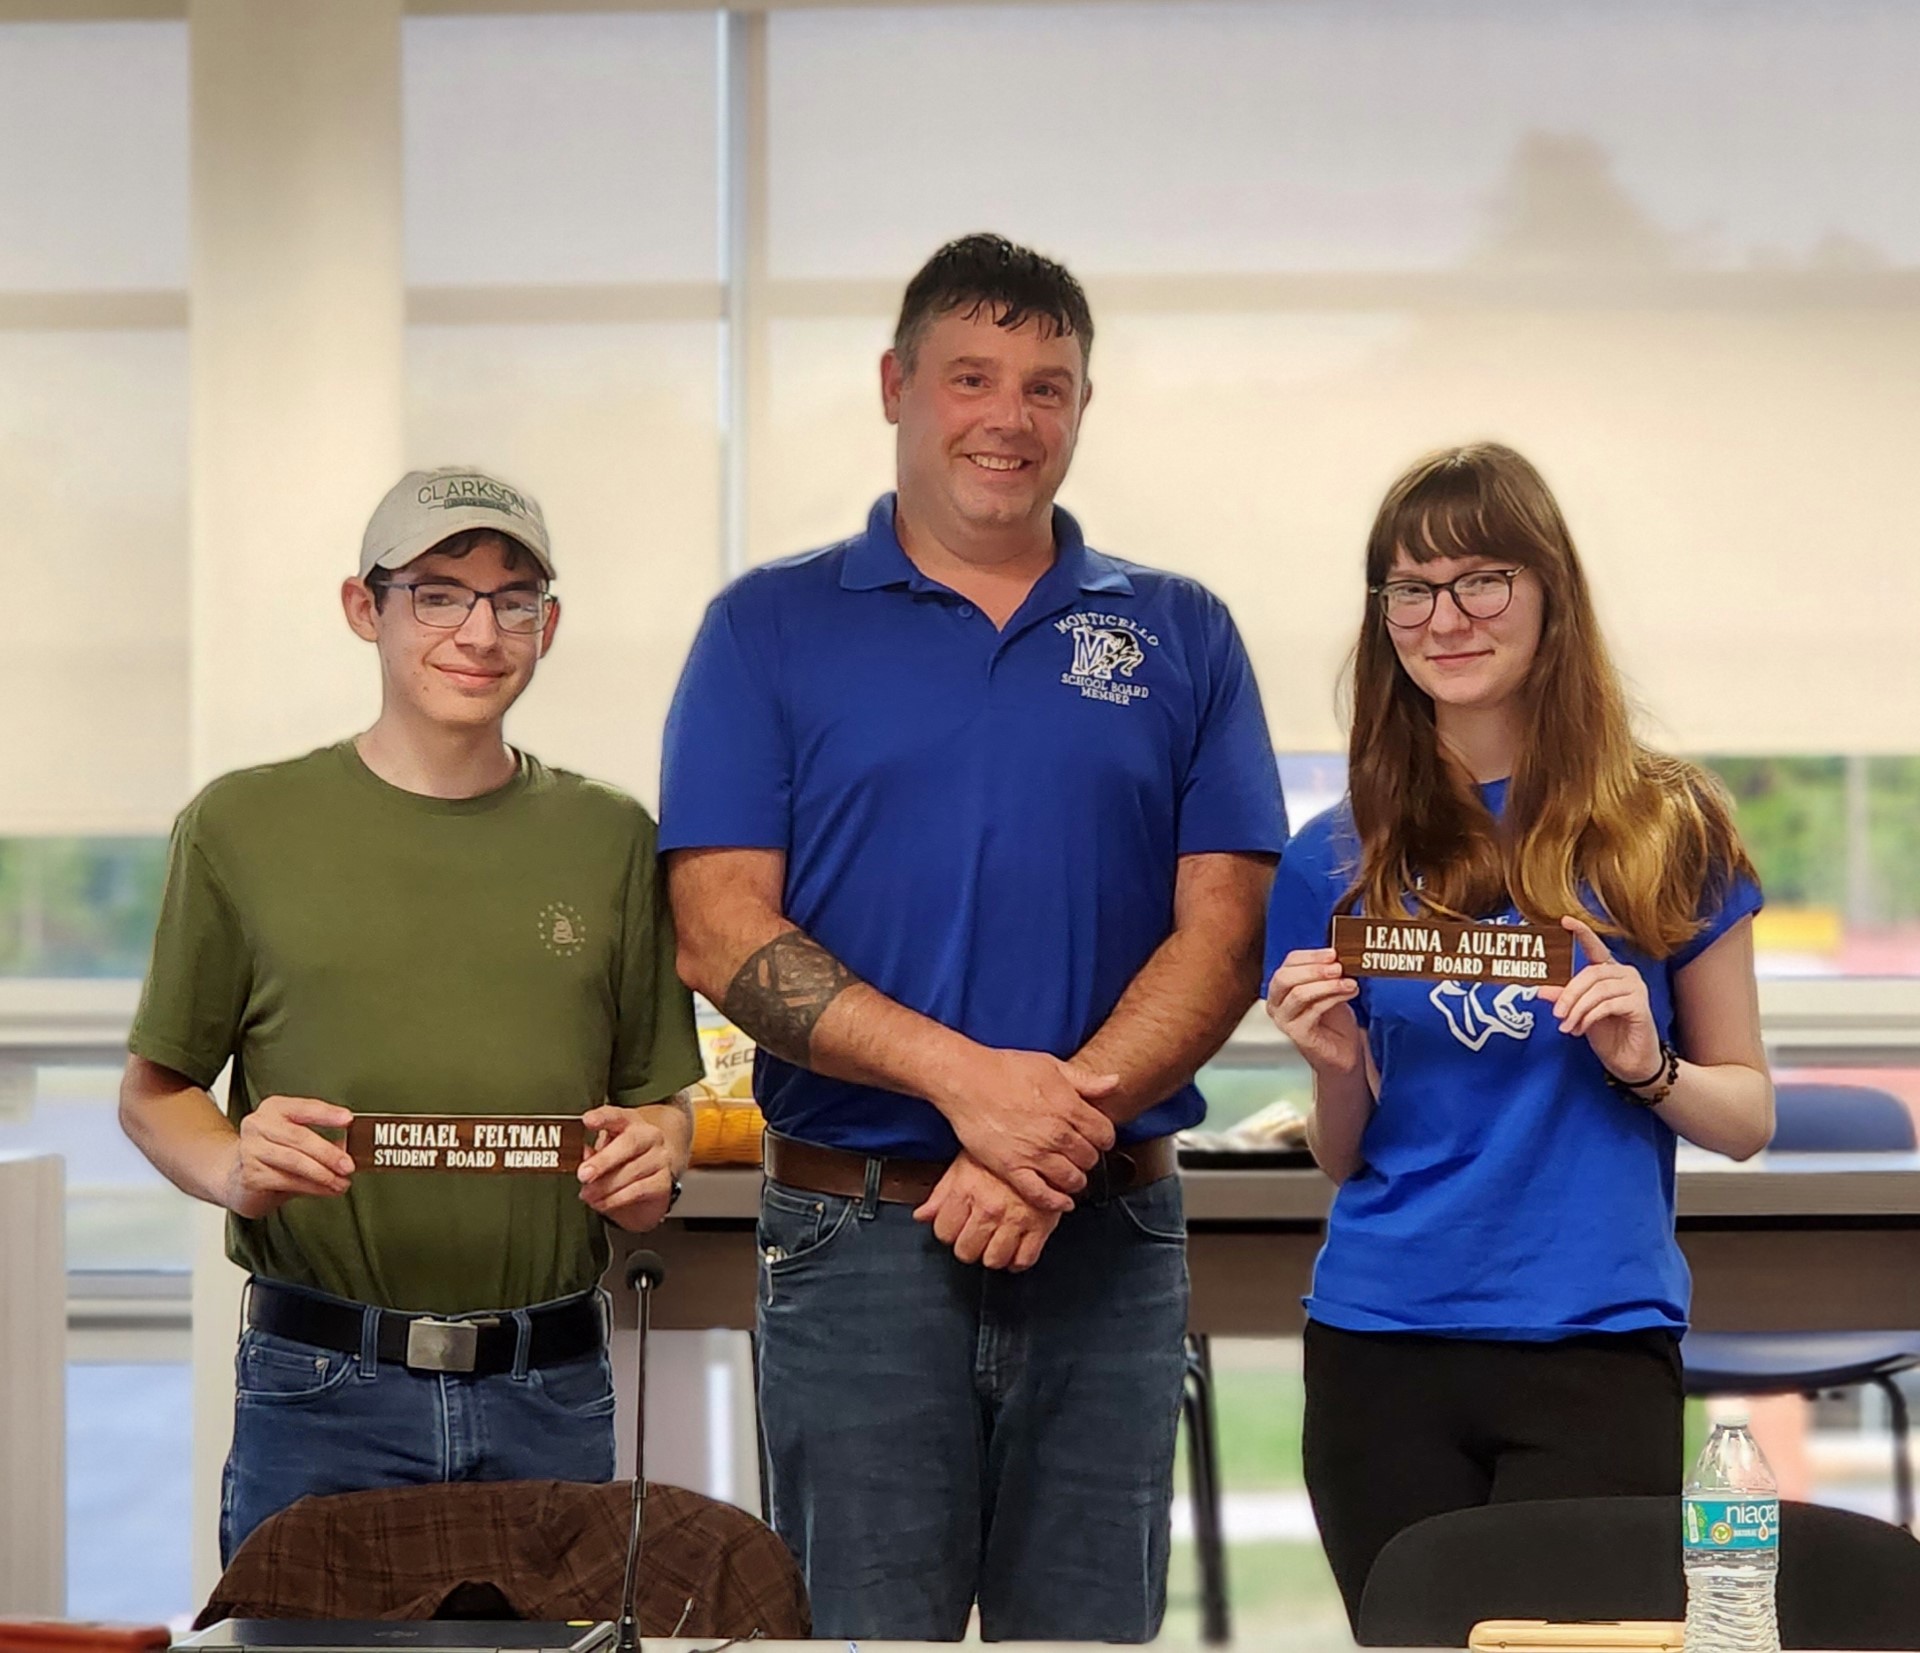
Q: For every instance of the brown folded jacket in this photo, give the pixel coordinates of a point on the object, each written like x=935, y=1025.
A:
x=551, y=1550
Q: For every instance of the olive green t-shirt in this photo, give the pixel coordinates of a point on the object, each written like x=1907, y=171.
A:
x=340, y=938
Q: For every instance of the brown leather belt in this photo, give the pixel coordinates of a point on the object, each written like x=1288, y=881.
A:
x=909, y=1181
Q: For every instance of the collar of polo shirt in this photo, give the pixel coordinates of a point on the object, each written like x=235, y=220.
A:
x=877, y=560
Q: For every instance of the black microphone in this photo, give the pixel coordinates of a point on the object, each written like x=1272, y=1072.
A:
x=645, y=1270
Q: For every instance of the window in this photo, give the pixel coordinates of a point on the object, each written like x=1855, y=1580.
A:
x=1837, y=841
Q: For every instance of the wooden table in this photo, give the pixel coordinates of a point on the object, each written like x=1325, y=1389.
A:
x=1788, y=1242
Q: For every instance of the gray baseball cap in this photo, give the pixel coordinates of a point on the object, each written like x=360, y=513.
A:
x=425, y=507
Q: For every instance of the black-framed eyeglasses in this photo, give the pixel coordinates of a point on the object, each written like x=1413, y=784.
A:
x=1482, y=595
x=447, y=603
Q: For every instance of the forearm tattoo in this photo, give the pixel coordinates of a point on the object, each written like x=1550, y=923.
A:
x=783, y=990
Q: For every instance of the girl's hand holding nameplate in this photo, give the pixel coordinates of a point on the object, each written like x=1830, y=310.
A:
x=1607, y=1005
x=1311, y=1001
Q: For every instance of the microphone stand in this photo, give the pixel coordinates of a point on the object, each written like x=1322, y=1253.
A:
x=645, y=1270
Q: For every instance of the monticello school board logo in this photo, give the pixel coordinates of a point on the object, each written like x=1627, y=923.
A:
x=1106, y=647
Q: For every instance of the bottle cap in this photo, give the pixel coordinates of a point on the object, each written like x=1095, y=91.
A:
x=1731, y=1417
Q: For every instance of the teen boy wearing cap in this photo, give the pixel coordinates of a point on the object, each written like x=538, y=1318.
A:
x=420, y=919
x=971, y=827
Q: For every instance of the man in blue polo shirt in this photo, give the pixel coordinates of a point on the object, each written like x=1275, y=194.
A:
x=971, y=828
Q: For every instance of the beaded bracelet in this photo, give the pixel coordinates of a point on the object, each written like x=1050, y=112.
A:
x=1665, y=1077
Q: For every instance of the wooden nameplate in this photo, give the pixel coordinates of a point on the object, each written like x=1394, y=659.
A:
x=491, y=1144
x=1431, y=949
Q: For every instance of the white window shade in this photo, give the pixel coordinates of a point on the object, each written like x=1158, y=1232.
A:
x=565, y=168
x=612, y=429
x=1734, y=482
x=93, y=671
x=827, y=451
x=560, y=150
x=93, y=441
x=1672, y=253
x=1667, y=253
x=1324, y=136
x=93, y=156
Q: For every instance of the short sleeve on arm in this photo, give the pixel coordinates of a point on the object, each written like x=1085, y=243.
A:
x=1724, y=907
x=195, y=997
x=726, y=766
x=656, y=1050
x=1306, y=889
x=1231, y=801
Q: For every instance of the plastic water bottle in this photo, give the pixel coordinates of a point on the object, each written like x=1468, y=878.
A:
x=1731, y=1533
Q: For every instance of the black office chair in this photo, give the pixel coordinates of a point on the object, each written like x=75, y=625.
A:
x=1845, y=1580
x=1839, y=1119
x=1821, y=1119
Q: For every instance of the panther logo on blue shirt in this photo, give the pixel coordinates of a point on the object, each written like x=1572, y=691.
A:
x=1100, y=651
x=1472, y=1023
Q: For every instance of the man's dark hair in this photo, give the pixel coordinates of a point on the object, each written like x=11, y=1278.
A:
x=380, y=580
x=989, y=275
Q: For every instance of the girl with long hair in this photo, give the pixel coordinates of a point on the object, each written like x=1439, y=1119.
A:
x=1496, y=1312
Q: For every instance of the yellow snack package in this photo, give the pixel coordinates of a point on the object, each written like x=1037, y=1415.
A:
x=727, y=1122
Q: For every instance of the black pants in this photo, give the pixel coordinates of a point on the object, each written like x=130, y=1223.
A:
x=1401, y=1427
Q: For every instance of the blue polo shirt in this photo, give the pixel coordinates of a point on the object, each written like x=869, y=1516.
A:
x=984, y=825
x=1507, y=1191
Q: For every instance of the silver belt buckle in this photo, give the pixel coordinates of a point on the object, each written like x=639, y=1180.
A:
x=444, y=1345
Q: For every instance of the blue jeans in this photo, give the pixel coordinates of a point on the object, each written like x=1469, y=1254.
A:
x=937, y=1433
x=310, y=1421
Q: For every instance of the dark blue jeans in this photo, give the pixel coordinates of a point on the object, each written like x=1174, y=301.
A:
x=310, y=1421
x=937, y=1433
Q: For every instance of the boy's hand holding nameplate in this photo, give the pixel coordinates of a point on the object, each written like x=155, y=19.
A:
x=279, y=1153
x=492, y=1144
x=628, y=1176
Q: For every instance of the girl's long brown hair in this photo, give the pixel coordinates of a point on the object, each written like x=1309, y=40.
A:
x=1592, y=815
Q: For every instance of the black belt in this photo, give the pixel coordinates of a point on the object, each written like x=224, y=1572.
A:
x=481, y=1344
